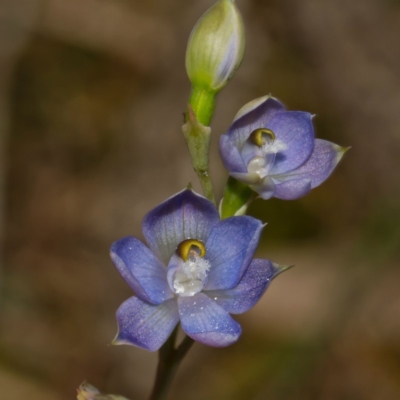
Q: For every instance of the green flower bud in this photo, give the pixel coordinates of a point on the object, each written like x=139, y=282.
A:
x=216, y=47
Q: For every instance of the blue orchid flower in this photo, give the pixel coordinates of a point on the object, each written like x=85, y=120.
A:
x=196, y=269
x=274, y=151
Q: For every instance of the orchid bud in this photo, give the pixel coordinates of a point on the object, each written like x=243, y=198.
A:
x=216, y=47
x=88, y=392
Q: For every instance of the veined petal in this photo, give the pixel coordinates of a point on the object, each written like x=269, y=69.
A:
x=292, y=189
x=319, y=166
x=253, y=115
x=187, y=215
x=249, y=290
x=230, y=155
x=293, y=129
x=205, y=321
x=141, y=269
x=230, y=249
x=144, y=325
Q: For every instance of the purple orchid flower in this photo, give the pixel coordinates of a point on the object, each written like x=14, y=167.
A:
x=196, y=270
x=274, y=151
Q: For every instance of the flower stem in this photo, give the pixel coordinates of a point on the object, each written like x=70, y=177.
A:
x=205, y=181
x=237, y=197
x=201, y=109
x=203, y=104
x=169, y=359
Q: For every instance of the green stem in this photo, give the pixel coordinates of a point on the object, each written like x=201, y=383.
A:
x=203, y=104
x=206, y=184
x=168, y=363
x=237, y=197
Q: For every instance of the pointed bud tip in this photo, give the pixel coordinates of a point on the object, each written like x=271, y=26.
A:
x=345, y=149
x=281, y=268
x=341, y=152
x=116, y=341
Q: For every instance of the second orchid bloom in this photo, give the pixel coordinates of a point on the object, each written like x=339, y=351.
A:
x=274, y=151
x=196, y=270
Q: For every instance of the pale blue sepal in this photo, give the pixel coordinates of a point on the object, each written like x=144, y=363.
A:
x=144, y=325
x=230, y=249
x=253, y=115
x=230, y=155
x=292, y=188
x=250, y=288
x=186, y=215
x=319, y=166
x=141, y=269
x=294, y=132
x=205, y=321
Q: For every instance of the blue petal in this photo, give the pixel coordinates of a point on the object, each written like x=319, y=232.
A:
x=292, y=189
x=295, y=130
x=265, y=189
x=250, y=118
x=230, y=249
x=144, y=325
x=253, y=104
x=186, y=215
x=319, y=166
x=141, y=269
x=249, y=290
x=230, y=155
x=205, y=321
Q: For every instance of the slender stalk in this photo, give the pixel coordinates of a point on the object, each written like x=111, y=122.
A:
x=168, y=363
x=237, y=197
x=202, y=104
x=206, y=184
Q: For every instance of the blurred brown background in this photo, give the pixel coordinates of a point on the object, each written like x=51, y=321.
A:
x=91, y=100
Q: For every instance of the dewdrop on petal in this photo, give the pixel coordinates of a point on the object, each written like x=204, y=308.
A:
x=216, y=47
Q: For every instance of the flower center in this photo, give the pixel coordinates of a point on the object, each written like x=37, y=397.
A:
x=265, y=140
x=191, y=274
x=262, y=136
x=190, y=248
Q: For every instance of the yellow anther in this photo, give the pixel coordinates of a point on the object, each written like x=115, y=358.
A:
x=262, y=136
x=190, y=248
